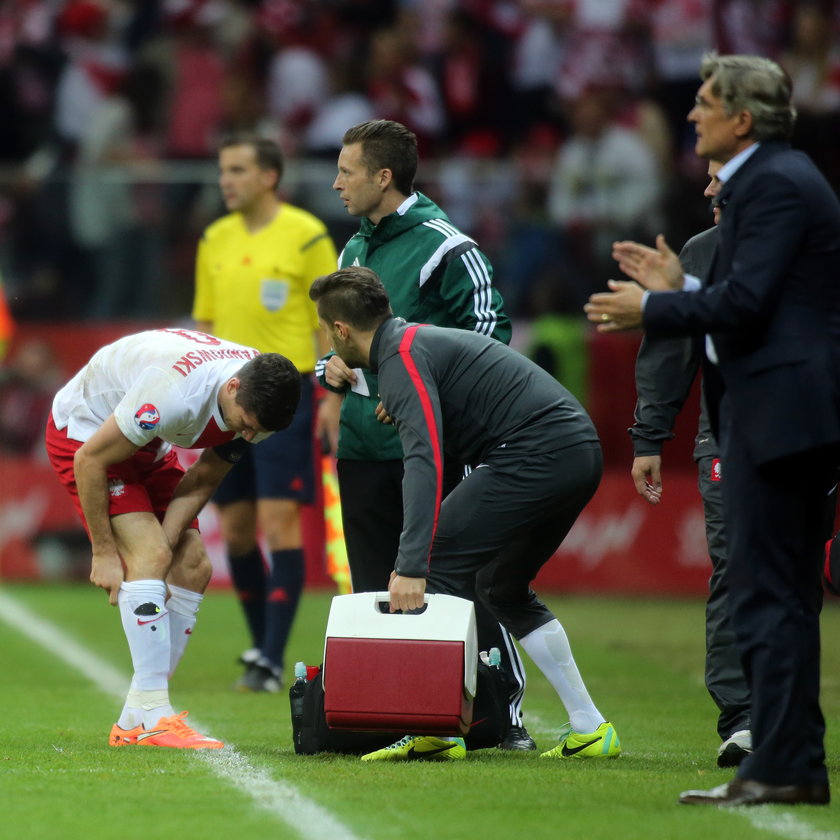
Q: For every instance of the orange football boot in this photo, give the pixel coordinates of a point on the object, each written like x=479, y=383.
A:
x=167, y=732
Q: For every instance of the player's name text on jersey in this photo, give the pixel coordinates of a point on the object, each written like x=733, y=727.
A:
x=192, y=359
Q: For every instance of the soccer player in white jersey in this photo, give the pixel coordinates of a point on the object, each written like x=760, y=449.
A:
x=109, y=438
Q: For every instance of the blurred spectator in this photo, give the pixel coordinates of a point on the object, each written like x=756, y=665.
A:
x=345, y=105
x=114, y=214
x=28, y=383
x=187, y=55
x=426, y=20
x=474, y=84
x=535, y=270
x=537, y=59
x=752, y=27
x=6, y=323
x=604, y=44
x=813, y=62
x=30, y=63
x=96, y=63
x=681, y=33
x=606, y=185
x=400, y=89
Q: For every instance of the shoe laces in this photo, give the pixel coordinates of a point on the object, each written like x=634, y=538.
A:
x=403, y=742
x=565, y=731
x=179, y=727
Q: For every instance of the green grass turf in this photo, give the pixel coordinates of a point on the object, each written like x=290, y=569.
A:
x=642, y=661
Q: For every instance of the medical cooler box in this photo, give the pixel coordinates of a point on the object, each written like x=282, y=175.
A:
x=389, y=672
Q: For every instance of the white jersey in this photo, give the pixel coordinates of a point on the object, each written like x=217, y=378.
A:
x=162, y=386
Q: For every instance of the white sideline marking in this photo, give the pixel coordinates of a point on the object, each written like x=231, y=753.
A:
x=785, y=825
x=281, y=799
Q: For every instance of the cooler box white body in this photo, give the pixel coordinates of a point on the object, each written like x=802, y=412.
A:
x=400, y=673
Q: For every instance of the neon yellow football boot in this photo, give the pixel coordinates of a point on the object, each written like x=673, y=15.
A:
x=420, y=748
x=602, y=743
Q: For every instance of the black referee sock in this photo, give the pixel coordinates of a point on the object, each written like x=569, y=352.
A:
x=248, y=574
x=284, y=590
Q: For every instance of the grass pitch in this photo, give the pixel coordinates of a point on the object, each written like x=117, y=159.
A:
x=642, y=661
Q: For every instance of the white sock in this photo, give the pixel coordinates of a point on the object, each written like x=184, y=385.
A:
x=183, y=605
x=145, y=707
x=145, y=621
x=549, y=647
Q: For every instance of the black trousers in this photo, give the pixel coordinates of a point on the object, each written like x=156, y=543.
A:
x=505, y=520
x=775, y=520
x=372, y=513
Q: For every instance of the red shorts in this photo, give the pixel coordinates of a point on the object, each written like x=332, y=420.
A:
x=138, y=484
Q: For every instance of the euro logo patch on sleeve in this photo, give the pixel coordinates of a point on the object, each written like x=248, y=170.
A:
x=147, y=417
x=716, y=474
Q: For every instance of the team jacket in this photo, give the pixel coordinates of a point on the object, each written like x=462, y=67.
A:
x=666, y=368
x=462, y=393
x=433, y=273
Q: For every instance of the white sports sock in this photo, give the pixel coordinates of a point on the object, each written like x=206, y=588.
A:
x=549, y=647
x=145, y=621
x=183, y=604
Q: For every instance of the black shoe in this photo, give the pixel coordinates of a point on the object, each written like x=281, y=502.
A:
x=517, y=738
x=260, y=679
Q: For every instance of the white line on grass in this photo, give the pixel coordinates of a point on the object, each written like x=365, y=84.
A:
x=279, y=798
x=785, y=825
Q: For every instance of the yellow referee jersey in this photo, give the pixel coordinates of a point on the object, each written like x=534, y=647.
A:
x=254, y=288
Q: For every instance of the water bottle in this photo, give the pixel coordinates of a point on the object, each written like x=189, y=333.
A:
x=495, y=657
x=297, y=690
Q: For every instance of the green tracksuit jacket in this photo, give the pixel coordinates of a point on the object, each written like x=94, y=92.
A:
x=434, y=274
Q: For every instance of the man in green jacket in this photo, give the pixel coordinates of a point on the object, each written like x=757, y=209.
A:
x=434, y=274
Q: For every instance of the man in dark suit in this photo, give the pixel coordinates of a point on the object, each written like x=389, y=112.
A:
x=770, y=314
x=665, y=371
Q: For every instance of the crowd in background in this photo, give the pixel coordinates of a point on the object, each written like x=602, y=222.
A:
x=547, y=128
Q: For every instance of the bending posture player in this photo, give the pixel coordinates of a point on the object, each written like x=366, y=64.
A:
x=536, y=463
x=110, y=438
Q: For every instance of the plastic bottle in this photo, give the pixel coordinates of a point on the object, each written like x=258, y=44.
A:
x=297, y=690
x=495, y=657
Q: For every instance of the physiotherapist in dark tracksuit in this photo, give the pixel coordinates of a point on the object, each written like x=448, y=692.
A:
x=771, y=314
x=665, y=371
x=536, y=462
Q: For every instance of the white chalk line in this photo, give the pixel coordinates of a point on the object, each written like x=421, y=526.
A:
x=279, y=798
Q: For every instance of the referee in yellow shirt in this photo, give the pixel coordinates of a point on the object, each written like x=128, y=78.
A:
x=254, y=269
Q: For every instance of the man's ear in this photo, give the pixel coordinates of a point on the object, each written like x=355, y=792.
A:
x=232, y=386
x=342, y=329
x=385, y=178
x=744, y=126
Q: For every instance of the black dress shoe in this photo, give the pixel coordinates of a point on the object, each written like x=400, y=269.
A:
x=747, y=792
x=517, y=738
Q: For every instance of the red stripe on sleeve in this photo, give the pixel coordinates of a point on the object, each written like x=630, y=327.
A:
x=429, y=416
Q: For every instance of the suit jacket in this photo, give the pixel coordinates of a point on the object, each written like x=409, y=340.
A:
x=772, y=305
x=665, y=370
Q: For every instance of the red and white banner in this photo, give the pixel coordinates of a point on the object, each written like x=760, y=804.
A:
x=620, y=544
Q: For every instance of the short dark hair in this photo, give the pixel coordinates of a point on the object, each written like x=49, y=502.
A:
x=267, y=152
x=755, y=84
x=354, y=295
x=387, y=145
x=269, y=388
